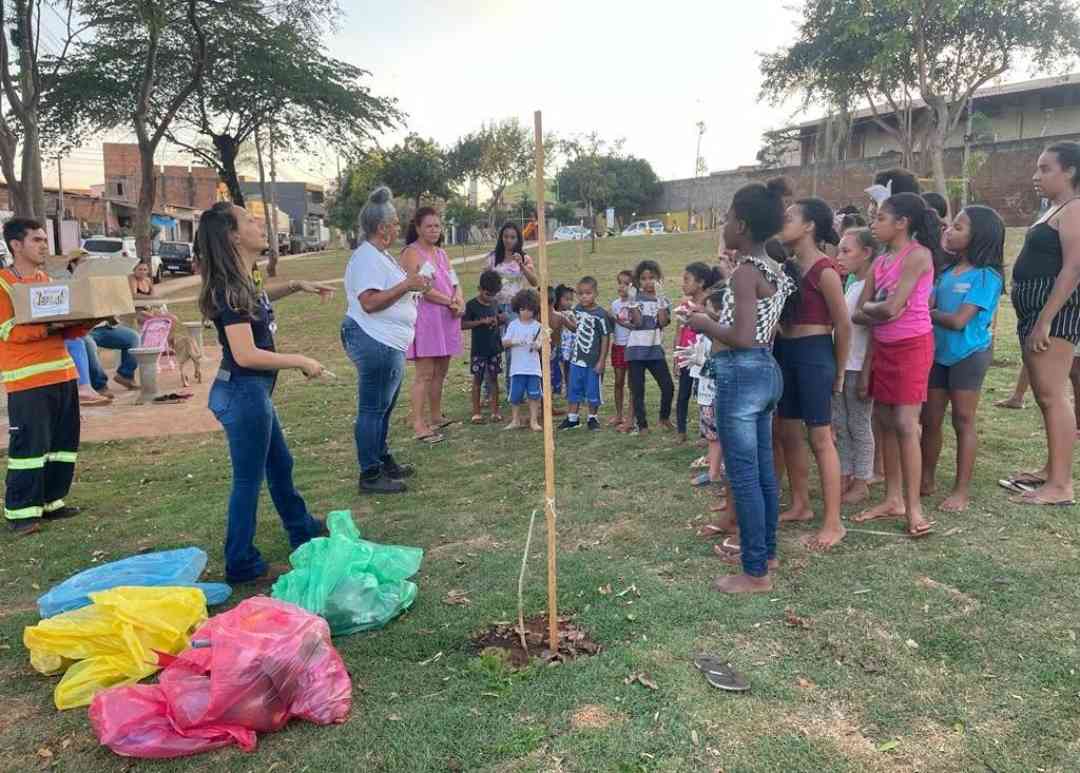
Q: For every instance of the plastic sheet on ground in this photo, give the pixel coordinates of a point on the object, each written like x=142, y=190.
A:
x=167, y=567
x=115, y=640
x=355, y=584
x=250, y=670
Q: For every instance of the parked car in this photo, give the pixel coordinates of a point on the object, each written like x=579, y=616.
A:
x=644, y=227
x=572, y=232
x=177, y=257
x=119, y=247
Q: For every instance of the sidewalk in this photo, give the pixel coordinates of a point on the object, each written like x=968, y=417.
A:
x=166, y=289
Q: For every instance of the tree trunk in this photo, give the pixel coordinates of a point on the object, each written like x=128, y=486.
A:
x=227, y=149
x=939, y=135
x=271, y=237
x=144, y=210
x=32, y=182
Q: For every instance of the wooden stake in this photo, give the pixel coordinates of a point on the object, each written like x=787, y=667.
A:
x=545, y=363
x=581, y=257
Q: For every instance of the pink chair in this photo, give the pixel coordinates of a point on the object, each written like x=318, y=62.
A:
x=155, y=335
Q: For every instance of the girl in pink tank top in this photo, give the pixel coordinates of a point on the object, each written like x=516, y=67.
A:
x=895, y=303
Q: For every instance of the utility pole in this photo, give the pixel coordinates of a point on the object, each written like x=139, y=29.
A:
x=59, y=207
x=272, y=267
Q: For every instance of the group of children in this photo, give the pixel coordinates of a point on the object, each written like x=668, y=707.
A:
x=890, y=324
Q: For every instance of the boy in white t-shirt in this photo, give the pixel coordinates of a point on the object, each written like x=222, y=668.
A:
x=523, y=339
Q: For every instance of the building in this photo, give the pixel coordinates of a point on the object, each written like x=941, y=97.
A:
x=183, y=192
x=1011, y=125
x=304, y=203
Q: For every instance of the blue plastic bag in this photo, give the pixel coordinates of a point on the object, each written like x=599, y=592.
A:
x=181, y=567
x=355, y=584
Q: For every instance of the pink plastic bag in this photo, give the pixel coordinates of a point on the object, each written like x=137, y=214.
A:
x=249, y=670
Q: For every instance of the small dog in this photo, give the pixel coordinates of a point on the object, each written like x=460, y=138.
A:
x=186, y=350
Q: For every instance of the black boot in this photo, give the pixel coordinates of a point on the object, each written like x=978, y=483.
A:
x=395, y=470
x=378, y=482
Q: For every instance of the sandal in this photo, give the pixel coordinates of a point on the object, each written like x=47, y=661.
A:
x=444, y=422
x=477, y=419
x=497, y=418
x=699, y=463
x=710, y=530
x=1025, y=499
x=720, y=674
x=701, y=479
x=430, y=439
x=1016, y=487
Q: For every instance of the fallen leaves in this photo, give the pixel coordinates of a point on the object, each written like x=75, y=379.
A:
x=795, y=621
x=888, y=746
x=804, y=684
x=457, y=598
x=643, y=679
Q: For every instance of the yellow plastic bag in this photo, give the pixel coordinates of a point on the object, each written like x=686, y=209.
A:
x=113, y=640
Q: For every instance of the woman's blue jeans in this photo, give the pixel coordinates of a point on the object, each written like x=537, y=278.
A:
x=258, y=451
x=748, y=387
x=77, y=349
x=379, y=372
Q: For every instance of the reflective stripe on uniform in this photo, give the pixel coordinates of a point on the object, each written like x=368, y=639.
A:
x=35, y=370
x=61, y=456
x=31, y=463
x=4, y=284
x=6, y=328
x=52, y=507
x=23, y=512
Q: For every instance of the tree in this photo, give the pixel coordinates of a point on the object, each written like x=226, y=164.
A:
x=361, y=176
x=961, y=45
x=462, y=215
x=564, y=213
x=585, y=177
x=775, y=145
x=418, y=168
x=275, y=71
x=896, y=51
x=143, y=64
x=27, y=75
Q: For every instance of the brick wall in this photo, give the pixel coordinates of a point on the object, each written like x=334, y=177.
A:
x=197, y=188
x=1002, y=181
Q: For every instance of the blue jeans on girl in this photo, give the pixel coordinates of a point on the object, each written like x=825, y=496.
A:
x=379, y=372
x=748, y=387
x=258, y=450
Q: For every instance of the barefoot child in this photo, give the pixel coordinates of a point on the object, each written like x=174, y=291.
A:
x=620, y=310
x=696, y=281
x=523, y=340
x=812, y=350
x=649, y=315
x=965, y=297
x=587, y=356
x=557, y=306
x=853, y=407
x=895, y=302
x=485, y=354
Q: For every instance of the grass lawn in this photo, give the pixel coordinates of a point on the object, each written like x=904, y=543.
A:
x=955, y=653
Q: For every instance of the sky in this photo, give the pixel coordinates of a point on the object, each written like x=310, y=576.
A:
x=624, y=70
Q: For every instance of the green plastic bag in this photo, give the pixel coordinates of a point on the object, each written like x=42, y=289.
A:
x=355, y=584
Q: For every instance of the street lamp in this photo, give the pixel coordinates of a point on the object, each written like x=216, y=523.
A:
x=693, y=185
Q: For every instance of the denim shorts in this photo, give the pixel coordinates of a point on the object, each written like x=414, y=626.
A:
x=522, y=385
x=808, y=366
x=584, y=386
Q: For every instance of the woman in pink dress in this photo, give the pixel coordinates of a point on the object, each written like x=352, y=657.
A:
x=438, y=325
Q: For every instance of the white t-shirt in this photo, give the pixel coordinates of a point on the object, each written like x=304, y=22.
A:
x=860, y=334
x=622, y=333
x=523, y=360
x=372, y=269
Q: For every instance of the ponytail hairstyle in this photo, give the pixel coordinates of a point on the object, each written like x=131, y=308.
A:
x=412, y=233
x=866, y=240
x=1068, y=157
x=987, y=247
x=821, y=215
x=225, y=279
x=925, y=227
x=707, y=275
x=761, y=207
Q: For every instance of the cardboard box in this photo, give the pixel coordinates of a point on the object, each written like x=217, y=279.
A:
x=96, y=292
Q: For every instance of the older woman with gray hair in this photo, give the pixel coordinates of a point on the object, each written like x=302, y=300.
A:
x=379, y=325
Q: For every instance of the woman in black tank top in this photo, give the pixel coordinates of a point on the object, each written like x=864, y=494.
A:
x=1046, y=297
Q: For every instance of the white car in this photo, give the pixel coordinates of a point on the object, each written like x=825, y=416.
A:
x=644, y=227
x=119, y=247
x=572, y=232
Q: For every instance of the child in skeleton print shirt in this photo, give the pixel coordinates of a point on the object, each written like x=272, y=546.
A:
x=587, y=355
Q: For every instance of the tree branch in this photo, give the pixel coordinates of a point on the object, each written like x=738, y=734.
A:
x=196, y=76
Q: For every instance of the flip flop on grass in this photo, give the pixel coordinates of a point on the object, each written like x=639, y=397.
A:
x=720, y=674
x=1027, y=499
x=431, y=438
x=924, y=529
